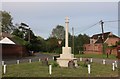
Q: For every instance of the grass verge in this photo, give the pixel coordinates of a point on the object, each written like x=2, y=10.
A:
x=35, y=69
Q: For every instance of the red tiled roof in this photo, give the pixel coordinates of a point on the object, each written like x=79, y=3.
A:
x=99, y=37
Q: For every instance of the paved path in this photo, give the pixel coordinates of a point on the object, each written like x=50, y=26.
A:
x=26, y=59
x=40, y=55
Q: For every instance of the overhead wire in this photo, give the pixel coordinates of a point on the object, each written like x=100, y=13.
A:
x=112, y=21
x=98, y=23
x=90, y=27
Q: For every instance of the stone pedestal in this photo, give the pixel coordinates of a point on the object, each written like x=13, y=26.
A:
x=65, y=57
x=64, y=62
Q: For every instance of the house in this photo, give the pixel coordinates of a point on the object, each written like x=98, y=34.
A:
x=10, y=48
x=96, y=42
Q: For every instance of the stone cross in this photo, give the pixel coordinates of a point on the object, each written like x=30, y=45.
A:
x=66, y=55
x=66, y=32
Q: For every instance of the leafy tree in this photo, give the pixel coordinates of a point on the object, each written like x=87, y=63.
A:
x=23, y=31
x=18, y=33
x=35, y=43
x=6, y=22
x=118, y=43
x=52, y=45
x=58, y=32
x=80, y=40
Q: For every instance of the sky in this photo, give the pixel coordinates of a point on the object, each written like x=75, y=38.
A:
x=42, y=17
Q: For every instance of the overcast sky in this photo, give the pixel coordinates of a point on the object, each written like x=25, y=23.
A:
x=42, y=17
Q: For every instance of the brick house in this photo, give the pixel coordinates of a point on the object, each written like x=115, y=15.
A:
x=95, y=45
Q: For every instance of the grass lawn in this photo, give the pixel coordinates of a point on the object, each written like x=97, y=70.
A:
x=35, y=69
x=103, y=56
x=52, y=54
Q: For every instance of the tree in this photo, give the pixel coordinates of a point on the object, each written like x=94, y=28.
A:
x=35, y=43
x=55, y=41
x=58, y=32
x=6, y=22
x=23, y=31
x=80, y=40
x=52, y=45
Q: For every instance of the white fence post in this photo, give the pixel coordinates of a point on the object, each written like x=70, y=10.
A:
x=53, y=57
x=88, y=68
x=91, y=60
x=4, y=71
x=80, y=58
x=104, y=62
x=39, y=59
x=3, y=63
x=18, y=61
x=116, y=64
x=47, y=59
x=113, y=66
x=50, y=69
x=29, y=60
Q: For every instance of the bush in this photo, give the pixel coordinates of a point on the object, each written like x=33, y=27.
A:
x=55, y=64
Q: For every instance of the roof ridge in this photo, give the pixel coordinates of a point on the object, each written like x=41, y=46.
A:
x=101, y=33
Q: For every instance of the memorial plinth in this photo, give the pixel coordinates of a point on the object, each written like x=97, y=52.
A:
x=66, y=55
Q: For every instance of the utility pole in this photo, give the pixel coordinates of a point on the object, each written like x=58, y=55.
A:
x=102, y=30
x=73, y=40
x=29, y=35
x=103, y=39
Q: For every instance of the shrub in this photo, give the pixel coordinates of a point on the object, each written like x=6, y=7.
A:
x=55, y=64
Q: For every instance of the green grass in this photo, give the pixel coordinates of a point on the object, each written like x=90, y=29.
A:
x=50, y=53
x=101, y=56
x=95, y=56
x=35, y=69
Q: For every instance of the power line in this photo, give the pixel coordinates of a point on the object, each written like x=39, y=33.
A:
x=98, y=23
x=90, y=27
x=113, y=21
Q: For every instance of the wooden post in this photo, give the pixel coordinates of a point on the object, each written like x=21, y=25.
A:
x=73, y=40
x=103, y=39
x=29, y=35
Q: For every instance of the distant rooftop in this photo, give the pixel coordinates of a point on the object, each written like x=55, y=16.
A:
x=98, y=37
